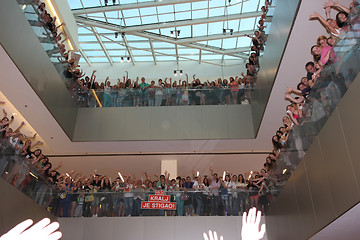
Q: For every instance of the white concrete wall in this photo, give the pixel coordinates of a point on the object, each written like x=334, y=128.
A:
x=150, y=228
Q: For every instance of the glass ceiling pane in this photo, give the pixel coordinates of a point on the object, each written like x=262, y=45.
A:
x=127, y=1
x=90, y=46
x=226, y=57
x=200, y=30
x=200, y=14
x=94, y=53
x=165, y=9
x=140, y=52
x=165, y=51
x=165, y=58
x=149, y=19
x=133, y=38
x=156, y=31
x=183, y=15
x=215, y=28
x=194, y=57
x=131, y=13
x=247, y=24
x=188, y=51
x=87, y=38
x=166, y=17
x=216, y=12
x=114, y=14
x=113, y=46
x=212, y=57
x=115, y=21
x=182, y=7
x=144, y=59
x=148, y=11
x=139, y=44
x=250, y=6
x=103, y=30
x=201, y=5
x=215, y=43
x=234, y=9
x=75, y=4
x=83, y=30
x=99, y=14
x=234, y=24
x=132, y=21
x=162, y=45
x=244, y=41
x=118, y=52
x=216, y=4
x=185, y=31
x=229, y=43
x=91, y=3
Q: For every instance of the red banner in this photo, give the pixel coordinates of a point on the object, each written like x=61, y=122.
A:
x=158, y=205
x=159, y=198
x=159, y=192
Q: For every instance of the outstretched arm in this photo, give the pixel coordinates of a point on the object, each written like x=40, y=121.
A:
x=316, y=15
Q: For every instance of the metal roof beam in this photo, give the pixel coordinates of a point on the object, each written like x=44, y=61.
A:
x=128, y=49
x=152, y=50
x=102, y=46
x=120, y=7
x=159, y=38
x=214, y=37
x=85, y=57
x=180, y=23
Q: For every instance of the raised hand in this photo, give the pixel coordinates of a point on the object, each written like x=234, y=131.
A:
x=212, y=236
x=250, y=226
x=43, y=230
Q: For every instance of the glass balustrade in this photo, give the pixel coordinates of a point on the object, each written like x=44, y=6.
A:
x=324, y=97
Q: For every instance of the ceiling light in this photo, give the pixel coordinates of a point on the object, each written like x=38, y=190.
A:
x=116, y=34
x=175, y=72
x=171, y=33
x=180, y=72
x=178, y=32
x=231, y=31
x=128, y=59
x=224, y=31
x=122, y=59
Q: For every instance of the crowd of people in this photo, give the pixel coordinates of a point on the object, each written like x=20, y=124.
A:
x=74, y=195
x=71, y=194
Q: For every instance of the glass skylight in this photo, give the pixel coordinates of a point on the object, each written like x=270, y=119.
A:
x=189, y=26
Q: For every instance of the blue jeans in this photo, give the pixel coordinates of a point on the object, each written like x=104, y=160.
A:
x=129, y=202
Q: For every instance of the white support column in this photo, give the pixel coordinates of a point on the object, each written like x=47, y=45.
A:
x=170, y=166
